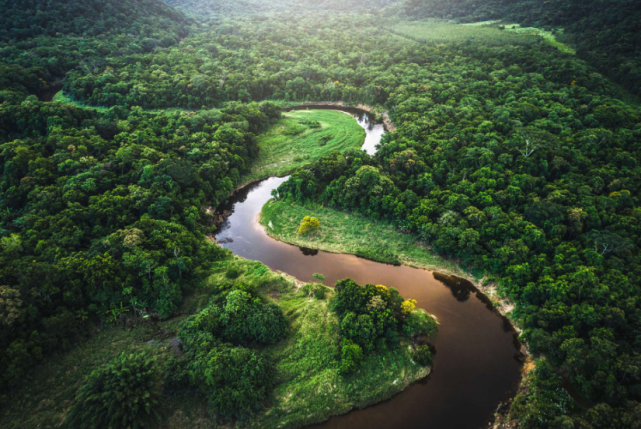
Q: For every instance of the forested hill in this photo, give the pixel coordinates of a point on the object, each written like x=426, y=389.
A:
x=606, y=33
x=41, y=40
x=23, y=19
x=209, y=8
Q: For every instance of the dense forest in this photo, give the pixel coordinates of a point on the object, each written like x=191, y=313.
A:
x=508, y=155
x=607, y=33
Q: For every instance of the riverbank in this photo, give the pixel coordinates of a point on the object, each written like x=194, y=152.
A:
x=356, y=235
x=378, y=113
x=308, y=387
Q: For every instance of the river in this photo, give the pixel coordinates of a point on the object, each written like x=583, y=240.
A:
x=474, y=369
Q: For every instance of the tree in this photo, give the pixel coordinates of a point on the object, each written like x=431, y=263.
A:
x=10, y=303
x=408, y=307
x=351, y=357
x=419, y=323
x=123, y=393
x=308, y=224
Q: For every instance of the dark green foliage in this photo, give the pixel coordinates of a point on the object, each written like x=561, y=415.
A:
x=319, y=292
x=423, y=355
x=370, y=319
x=419, y=323
x=373, y=256
x=607, y=33
x=351, y=357
x=151, y=20
x=123, y=393
x=241, y=319
x=234, y=380
x=513, y=158
x=103, y=223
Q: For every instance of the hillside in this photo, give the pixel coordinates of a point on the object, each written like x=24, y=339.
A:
x=606, y=33
x=24, y=19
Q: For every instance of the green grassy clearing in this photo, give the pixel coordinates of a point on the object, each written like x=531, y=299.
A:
x=309, y=387
x=354, y=234
x=548, y=36
x=438, y=31
x=290, y=144
x=62, y=98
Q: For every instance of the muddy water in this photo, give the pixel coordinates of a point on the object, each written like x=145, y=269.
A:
x=475, y=367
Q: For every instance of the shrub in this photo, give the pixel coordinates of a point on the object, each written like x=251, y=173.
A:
x=235, y=380
x=407, y=307
x=360, y=329
x=383, y=258
x=423, y=355
x=123, y=393
x=232, y=273
x=248, y=319
x=351, y=357
x=419, y=323
x=319, y=292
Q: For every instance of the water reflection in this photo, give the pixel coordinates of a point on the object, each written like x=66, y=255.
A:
x=308, y=252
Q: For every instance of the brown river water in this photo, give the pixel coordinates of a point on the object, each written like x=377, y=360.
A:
x=474, y=369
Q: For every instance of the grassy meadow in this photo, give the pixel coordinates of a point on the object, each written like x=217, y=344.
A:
x=438, y=31
x=354, y=234
x=300, y=137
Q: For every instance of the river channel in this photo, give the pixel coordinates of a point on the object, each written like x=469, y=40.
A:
x=474, y=369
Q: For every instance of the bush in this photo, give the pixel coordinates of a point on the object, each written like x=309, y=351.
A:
x=319, y=292
x=351, y=357
x=383, y=258
x=248, y=319
x=419, y=323
x=232, y=273
x=423, y=355
x=235, y=380
x=123, y=393
x=241, y=319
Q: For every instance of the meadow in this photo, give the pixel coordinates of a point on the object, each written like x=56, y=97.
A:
x=301, y=137
x=353, y=234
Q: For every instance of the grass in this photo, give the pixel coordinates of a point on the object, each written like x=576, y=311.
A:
x=308, y=387
x=62, y=98
x=439, y=31
x=292, y=143
x=548, y=36
x=354, y=234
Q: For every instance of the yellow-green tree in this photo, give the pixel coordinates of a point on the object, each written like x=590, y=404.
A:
x=308, y=224
x=408, y=306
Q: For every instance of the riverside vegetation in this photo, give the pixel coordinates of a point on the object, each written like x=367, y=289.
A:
x=509, y=155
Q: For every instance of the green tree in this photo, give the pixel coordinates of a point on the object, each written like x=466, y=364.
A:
x=123, y=393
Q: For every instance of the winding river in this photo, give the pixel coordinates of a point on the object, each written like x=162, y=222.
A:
x=475, y=368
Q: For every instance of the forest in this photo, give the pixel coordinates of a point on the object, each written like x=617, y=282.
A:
x=123, y=122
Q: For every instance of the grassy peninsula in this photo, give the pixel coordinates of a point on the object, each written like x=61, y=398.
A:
x=301, y=137
x=354, y=234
